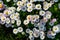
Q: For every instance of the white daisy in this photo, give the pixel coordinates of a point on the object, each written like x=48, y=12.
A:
x=26, y=22
x=38, y=7
x=12, y=9
x=15, y=0
x=23, y=33
x=24, y=8
x=19, y=3
x=31, y=0
x=45, y=3
x=36, y=33
x=30, y=32
x=29, y=5
x=12, y=16
x=48, y=16
x=36, y=16
x=45, y=19
x=8, y=25
x=20, y=29
x=55, y=0
x=15, y=31
x=3, y=18
x=42, y=13
x=41, y=33
x=29, y=9
x=16, y=16
x=18, y=22
x=7, y=20
x=56, y=29
x=27, y=30
x=8, y=0
x=18, y=8
x=29, y=17
x=45, y=7
x=31, y=37
x=7, y=12
x=12, y=21
x=49, y=4
x=24, y=0
x=42, y=37
x=53, y=33
x=51, y=23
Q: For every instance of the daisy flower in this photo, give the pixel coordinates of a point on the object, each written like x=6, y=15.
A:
x=7, y=12
x=41, y=33
x=18, y=22
x=31, y=37
x=20, y=29
x=18, y=8
x=48, y=16
x=53, y=33
x=19, y=3
x=42, y=37
x=50, y=34
x=42, y=13
x=36, y=16
x=29, y=5
x=51, y=23
x=16, y=16
x=24, y=8
x=55, y=29
x=26, y=22
x=38, y=7
x=27, y=30
x=37, y=20
x=45, y=7
x=8, y=0
x=15, y=31
x=7, y=20
x=34, y=29
x=55, y=0
x=33, y=18
x=49, y=4
x=3, y=18
x=45, y=3
x=8, y=25
x=2, y=22
x=29, y=17
x=12, y=9
x=31, y=0
x=12, y=16
x=15, y=0
x=29, y=9
x=24, y=1
x=36, y=33
x=30, y=32
x=23, y=33
x=42, y=27
x=12, y=21
x=45, y=19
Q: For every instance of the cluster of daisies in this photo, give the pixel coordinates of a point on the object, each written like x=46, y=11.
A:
x=10, y=17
